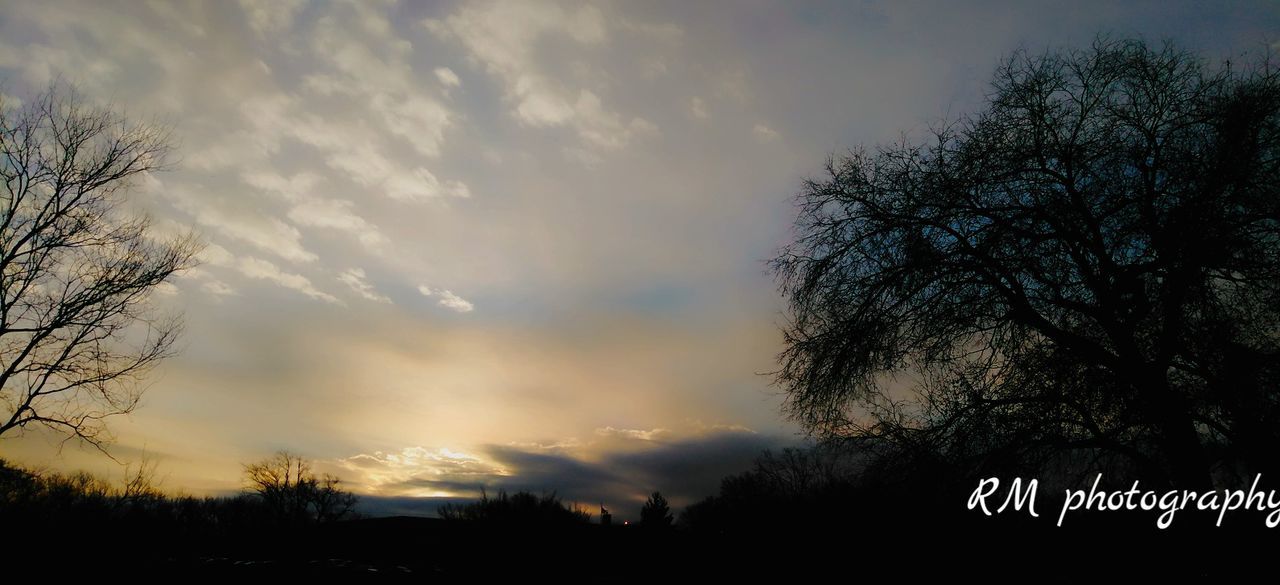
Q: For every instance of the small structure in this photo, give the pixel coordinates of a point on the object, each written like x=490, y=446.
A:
x=605, y=517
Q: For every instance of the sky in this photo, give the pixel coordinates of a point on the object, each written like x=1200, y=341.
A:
x=506, y=244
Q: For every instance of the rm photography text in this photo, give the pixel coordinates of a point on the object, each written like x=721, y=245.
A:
x=990, y=496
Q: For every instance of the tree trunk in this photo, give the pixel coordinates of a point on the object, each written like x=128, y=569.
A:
x=1183, y=452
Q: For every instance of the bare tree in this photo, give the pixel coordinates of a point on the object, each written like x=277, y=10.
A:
x=287, y=485
x=77, y=330
x=1090, y=267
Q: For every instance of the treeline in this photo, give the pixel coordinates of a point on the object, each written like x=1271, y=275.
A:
x=519, y=508
x=283, y=499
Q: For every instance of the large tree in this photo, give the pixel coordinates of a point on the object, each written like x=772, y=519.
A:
x=1087, y=268
x=78, y=269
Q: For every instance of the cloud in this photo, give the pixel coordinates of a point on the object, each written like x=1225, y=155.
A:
x=698, y=108
x=212, y=255
x=690, y=469
x=361, y=105
x=313, y=211
x=565, y=474
x=355, y=279
x=270, y=16
x=504, y=37
x=764, y=133
x=295, y=188
x=447, y=299
x=637, y=434
x=447, y=77
x=422, y=184
x=619, y=472
x=218, y=288
x=364, y=52
x=423, y=472
x=353, y=147
x=240, y=220
x=264, y=270
x=216, y=255
x=337, y=214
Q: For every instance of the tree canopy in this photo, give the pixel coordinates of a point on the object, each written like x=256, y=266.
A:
x=1087, y=268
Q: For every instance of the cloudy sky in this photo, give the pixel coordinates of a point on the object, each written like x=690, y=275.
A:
x=521, y=244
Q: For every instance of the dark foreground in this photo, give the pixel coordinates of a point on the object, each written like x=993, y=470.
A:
x=422, y=550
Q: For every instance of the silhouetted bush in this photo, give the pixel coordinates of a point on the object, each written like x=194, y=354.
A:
x=294, y=494
x=137, y=519
x=519, y=508
x=794, y=487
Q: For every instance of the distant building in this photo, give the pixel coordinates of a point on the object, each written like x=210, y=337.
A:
x=605, y=517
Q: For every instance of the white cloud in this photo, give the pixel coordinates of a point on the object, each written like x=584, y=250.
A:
x=9, y=102
x=242, y=221
x=270, y=16
x=266, y=233
x=597, y=125
x=373, y=63
x=418, y=120
x=698, y=108
x=421, y=184
x=355, y=278
x=503, y=36
x=764, y=133
x=653, y=68
x=216, y=255
x=312, y=211
x=413, y=470
x=337, y=214
x=355, y=152
x=643, y=127
x=261, y=269
x=447, y=299
x=636, y=434
x=447, y=77
x=166, y=289
x=218, y=288
x=544, y=109
x=365, y=68
x=582, y=156
x=292, y=188
x=212, y=255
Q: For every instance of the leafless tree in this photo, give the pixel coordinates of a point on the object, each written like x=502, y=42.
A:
x=1089, y=266
x=287, y=485
x=78, y=332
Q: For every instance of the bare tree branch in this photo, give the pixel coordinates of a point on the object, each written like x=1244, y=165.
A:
x=1092, y=262
x=78, y=332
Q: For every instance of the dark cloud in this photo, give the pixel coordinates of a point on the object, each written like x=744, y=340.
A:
x=377, y=506
x=689, y=470
x=450, y=485
x=684, y=471
x=554, y=471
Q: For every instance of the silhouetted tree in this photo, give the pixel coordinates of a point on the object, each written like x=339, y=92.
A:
x=656, y=513
x=791, y=488
x=294, y=493
x=1088, y=268
x=77, y=332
